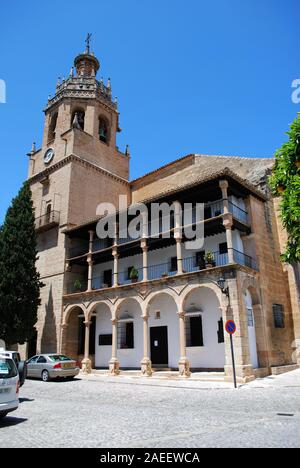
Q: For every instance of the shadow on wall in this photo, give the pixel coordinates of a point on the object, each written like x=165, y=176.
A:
x=49, y=338
x=47, y=240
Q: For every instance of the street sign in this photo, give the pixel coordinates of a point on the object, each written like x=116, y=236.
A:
x=230, y=327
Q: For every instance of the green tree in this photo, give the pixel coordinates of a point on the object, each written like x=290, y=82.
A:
x=19, y=279
x=285, y=182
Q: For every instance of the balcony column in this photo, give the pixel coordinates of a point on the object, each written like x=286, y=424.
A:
x=114, y=365
x=227, y=223
x=144, y=247
x=86, y=362
x=90, y=261
x=178, y=235
x=116, y=265
x=183, y=364
x=223, y=184
x=146, y=365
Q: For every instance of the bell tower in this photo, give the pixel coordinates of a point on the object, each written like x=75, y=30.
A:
x=77, y=167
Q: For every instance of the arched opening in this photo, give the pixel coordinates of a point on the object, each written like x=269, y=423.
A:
x=52, y=127
x=73, y=341
x=249, y=302
x=77, y=119
x=103, y=335
x=103, y=130
x=130, y=334
x=164, y=331
x=204, y=329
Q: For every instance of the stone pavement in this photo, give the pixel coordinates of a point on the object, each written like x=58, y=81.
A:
x=101, y=411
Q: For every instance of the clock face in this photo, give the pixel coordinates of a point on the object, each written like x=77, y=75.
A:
x=48, y=156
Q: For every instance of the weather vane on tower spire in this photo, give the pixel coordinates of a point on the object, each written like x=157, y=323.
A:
x=87, y=41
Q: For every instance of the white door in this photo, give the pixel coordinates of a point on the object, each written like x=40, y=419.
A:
x=252, y=338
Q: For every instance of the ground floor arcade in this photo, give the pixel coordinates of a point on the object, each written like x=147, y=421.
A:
x=170, y=326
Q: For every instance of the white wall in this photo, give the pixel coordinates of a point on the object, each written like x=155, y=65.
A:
x=132, y=357
x=103, y=327
x=168, y=317
x=212, y=353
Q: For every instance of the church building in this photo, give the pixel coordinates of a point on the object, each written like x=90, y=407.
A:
x=149, y=302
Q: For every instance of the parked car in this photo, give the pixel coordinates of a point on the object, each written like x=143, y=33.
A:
x=51, y=366
x=21, y=365
x=9, y=386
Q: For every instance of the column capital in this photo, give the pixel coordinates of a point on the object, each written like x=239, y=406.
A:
x=115, y=251
x=223, y=184
x=227, y=220
x=64, y=326
x=114, y=321
x=91, y=234
x=181, y=314
x=87, y=323
x=144, y=245
x=145, y=317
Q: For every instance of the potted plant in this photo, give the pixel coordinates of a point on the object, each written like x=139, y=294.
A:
x=77, y=285
x=209, y=259
x=134, y=275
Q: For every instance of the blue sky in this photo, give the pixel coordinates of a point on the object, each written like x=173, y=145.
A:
x=193, y=76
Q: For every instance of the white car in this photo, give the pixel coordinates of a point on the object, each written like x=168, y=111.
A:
x=9, y=386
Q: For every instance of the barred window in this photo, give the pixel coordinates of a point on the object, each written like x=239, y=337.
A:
x=250, y=317
x=125, y=335
x=220, y=331
x=193, y=330
x=278, y=315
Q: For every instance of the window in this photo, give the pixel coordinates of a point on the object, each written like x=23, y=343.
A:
x=105, y=340
x=52, y=127
x=103, y=130
x=42, y=360
x=220, y=331
x=173, y=264
x=250, y=319
x=48, y=213
x=125, y=335
x=278, y=315
x=77, y=120
x=107, y=278
x=193, y=330
x=33, y=360
x=223, y=248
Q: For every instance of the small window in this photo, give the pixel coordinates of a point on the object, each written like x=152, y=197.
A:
x=52, y=127
x=173, y=266
x=220, y=331
x=278, y=315
x=105, y=340
x=125, y=335
x=33, y=360
x=193, y=330
x=77, y=120
x=223, y=248
x=250, y=319
x=103, y=130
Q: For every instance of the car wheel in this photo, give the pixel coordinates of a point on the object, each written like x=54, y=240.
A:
x=3, y=414
x=45, y=376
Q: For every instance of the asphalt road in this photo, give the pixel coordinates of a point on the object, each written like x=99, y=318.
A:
x=103, y=412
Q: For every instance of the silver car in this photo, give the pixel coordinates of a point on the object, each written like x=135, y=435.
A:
x=51, y=366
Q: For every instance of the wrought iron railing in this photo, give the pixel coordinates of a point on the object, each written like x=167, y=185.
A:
x=47, y=220
x=238, y=212
x=243, y=259
x=124, y=276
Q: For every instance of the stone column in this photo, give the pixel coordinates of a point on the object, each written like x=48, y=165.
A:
x=183, y=364
x=114, y=365
x=223, y=184
x=227, y=223
x=86, y=362
x=146, y=366
x=90, y=261
x=116, y=265
x=145, y=259
x=179, y=255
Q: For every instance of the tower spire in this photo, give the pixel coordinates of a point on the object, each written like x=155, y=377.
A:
x=87, y=42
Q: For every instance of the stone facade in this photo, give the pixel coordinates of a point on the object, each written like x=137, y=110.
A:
x=87, y=168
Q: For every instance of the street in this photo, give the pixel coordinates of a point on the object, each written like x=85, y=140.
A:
x=98, y=411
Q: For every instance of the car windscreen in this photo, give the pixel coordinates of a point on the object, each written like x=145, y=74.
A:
x=59, y=357
x=7, y=368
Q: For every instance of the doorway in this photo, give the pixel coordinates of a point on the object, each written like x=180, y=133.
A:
x=159, y=345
